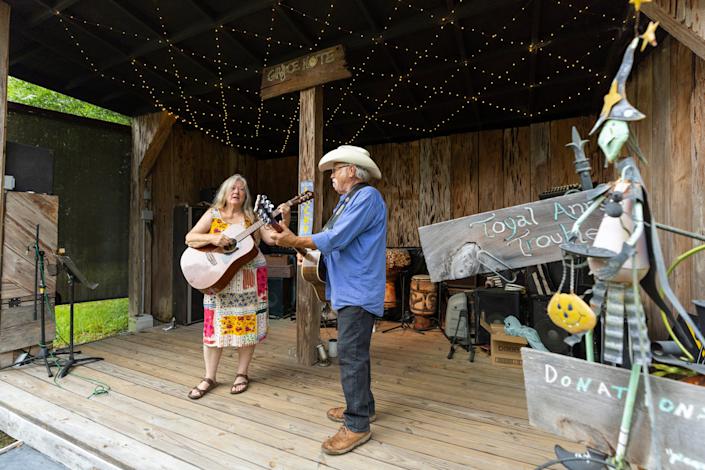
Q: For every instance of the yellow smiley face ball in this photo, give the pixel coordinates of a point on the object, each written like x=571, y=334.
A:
x=571, y=313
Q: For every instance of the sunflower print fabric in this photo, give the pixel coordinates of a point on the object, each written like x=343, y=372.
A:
x=238, y=315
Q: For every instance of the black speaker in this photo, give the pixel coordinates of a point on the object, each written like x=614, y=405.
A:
x=187, y=302
x=279, y=294
x=552, y=336
x=494, y=305
x=32, y=167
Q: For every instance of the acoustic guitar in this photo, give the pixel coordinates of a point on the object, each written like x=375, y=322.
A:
x=210, y=268
x=313, y=270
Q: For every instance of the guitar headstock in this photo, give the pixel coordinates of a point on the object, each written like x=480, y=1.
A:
x=264, y=209
x=300, y=198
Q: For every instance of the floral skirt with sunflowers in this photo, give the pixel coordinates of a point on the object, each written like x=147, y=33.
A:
x=238, y=315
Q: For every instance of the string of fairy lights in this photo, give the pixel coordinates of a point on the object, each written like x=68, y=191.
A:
x=175, y=69
x=187, y=104
x=506, y=73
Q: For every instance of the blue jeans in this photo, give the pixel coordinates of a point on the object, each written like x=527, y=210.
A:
x=354, y=336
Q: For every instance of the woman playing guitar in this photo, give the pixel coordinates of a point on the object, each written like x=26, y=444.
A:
x=237, y=315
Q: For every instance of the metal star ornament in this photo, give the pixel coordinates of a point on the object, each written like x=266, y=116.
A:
x=610, y=99
x=616, y=106
x=649, y=36
x=637, y=3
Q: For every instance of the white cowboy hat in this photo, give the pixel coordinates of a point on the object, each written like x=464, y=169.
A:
x=350, y=154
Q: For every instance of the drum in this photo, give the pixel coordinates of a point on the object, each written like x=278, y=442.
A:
x=422, y=301
x=390, y=291
x=396, y=260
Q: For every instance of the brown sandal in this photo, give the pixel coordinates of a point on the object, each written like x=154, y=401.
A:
x=236, y=384
x=197, y=393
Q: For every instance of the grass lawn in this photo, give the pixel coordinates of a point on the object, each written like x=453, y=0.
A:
x=92, y=321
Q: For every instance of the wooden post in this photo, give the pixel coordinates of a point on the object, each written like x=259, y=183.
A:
x=149, y=133
x=4, y=64
x=308, y=309
x=305, y=74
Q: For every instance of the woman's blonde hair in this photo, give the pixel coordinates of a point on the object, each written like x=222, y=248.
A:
x=221, y=197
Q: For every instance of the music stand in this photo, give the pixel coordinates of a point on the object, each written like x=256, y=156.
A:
x=74, y=275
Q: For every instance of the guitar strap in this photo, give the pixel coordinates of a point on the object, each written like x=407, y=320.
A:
x=341, y=207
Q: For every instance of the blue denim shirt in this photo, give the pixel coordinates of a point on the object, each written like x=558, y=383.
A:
x=354, y=253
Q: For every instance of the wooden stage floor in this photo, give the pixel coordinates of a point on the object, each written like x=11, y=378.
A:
x=432, y=412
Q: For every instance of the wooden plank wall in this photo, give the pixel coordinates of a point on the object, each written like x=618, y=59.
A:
x=442, y=178
x=143, y=130
x=431, y=180
x=669, y=87
x=682, y=19
x=190, y=161
x=24, y=211
x=4, y=61
x=687, y=13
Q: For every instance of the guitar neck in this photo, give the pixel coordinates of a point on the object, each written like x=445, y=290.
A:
x=254, y=227
x=291, y=202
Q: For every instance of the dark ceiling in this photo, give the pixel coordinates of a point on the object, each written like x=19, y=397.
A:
x=420, y=67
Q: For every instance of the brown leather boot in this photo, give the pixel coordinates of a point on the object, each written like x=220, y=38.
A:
x=336, y=414
x=344, y=441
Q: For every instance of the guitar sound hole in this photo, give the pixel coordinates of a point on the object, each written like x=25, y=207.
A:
x=230, y=248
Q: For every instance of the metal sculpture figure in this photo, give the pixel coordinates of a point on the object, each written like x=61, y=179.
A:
x=513, y=327
x=623, y=256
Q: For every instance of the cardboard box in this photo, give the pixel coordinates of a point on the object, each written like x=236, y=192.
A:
x=505, y=350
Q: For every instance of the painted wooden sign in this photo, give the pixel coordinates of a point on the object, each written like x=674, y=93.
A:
x=306, y=211
x=584, y=401
x=519, y=236
x=313, y=69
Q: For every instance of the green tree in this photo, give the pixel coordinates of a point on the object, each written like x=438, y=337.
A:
x=19, y=91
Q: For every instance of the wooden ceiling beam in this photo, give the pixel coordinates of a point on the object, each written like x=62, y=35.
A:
x=533, y=57
x=243, y=9
x=462, y=51
x=210, y=17
x=143, y=23
x=71, y=85
x=17, y=58
x=367, y=113
x=362, y=6
x=298, y=30
x=425, y=20
x=106, y=44
x=492, y=94
x=55, y=49
x=163, y=124
x=411, y=25
x=688, y=28
x=613, y=56
x=41, y=17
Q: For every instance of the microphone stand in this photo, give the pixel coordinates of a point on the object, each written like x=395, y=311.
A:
x=39, y=292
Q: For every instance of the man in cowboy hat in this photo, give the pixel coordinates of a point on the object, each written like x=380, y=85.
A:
x=353, y=245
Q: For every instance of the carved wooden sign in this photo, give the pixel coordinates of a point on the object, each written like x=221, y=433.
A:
x=584, y=401
x=304, y=72
x=519, y=236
